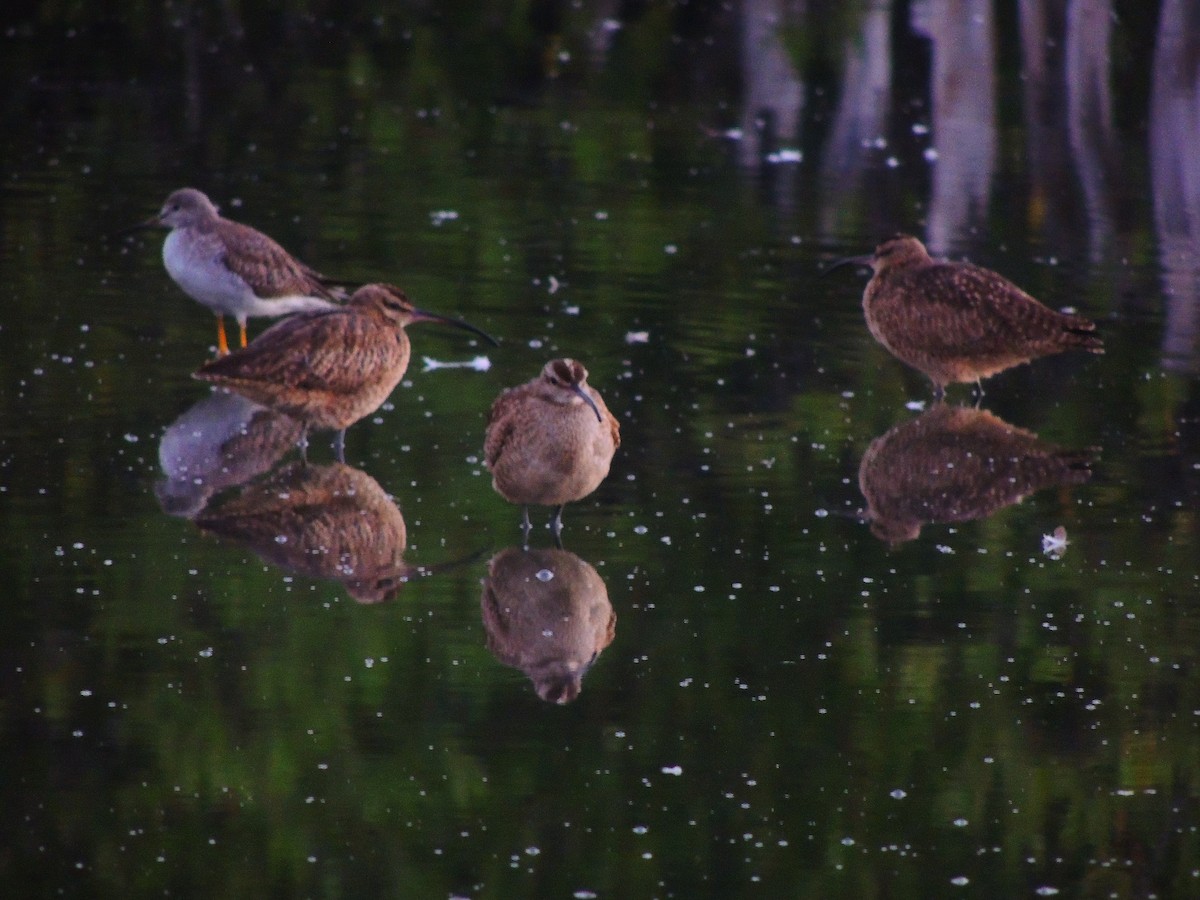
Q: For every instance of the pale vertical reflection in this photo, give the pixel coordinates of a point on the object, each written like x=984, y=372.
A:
x=1175, y=178
x=962, y=33
x=774, y=93
x=1043, y=25
x=861, y=117
x=1089, y=114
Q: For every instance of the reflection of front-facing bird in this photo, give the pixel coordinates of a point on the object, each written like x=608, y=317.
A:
x=233, y=269
x=550, y=441
x=957, y=322
x=547, y=613
x=330, y=368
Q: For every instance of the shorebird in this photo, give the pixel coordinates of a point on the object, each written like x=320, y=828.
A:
x=331, y=367
x=957, y=322
x=233, y=269
x=550, y=441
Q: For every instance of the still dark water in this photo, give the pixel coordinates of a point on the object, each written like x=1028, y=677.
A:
x=833, y=657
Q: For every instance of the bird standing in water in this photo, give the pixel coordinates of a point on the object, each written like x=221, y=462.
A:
x=332, y=367
x=550, y=441
x=957, y=322
x=233, y=269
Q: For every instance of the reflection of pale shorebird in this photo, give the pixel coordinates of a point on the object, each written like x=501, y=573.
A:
x=233, y=269
x=329, y=368
x=333, y=522
x=222, y=441
x=953, y=464
x=547, y=613
x=957, y=322
x=550, y=441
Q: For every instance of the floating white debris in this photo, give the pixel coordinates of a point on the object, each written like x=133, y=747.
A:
x=672, y=770
x=637, y=337
x=544, y=575
x=479, y=364
x=1055, y=545
x=785, y=155
x=438, y=216
x=915, y=405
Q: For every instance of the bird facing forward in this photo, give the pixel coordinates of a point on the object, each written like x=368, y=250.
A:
x=550, y=441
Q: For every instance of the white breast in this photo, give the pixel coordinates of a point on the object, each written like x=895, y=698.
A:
x=195, y=265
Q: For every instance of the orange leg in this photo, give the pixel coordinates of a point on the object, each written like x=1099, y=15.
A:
x=222, y=344
x=242, y=328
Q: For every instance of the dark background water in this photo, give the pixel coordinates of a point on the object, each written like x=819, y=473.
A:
x=789, y=706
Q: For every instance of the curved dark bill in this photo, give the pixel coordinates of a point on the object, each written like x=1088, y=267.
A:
x=848, y=261
x=459, y=323
x=587, y=398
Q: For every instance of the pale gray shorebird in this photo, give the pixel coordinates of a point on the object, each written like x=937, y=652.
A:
x=957, y=322
x=331, y=367
x=234, y=269
x=550, y=441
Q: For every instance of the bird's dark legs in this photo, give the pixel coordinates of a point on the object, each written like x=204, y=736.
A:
x=556, y=526
x=339, y=445
x=939, y=392
x=525, y=527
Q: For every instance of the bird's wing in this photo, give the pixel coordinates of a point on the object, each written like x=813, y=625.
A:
x=330, y=350
x=500, y=426
x=950, y=307
x=269, y=269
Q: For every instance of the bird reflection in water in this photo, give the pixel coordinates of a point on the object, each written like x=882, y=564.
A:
x=333, y=522
x=954, y=464
x=547, y=613
x=222, y=441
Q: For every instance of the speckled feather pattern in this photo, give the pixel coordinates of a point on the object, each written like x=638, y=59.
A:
x=328, y=368
x=544, y=446
x=957, y=322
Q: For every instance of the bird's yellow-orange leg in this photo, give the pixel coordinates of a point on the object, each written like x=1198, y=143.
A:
x=222, y=344
x=242, y=328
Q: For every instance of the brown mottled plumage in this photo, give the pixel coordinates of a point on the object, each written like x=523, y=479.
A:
x=957, y=322
x=550, y=441
x=954, y=464
x=332, y=367
x=547, y=613
x=233, y=269
x=333, y=522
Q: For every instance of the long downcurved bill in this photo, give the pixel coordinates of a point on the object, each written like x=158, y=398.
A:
x=587, y=398
x=848, y=261
x=420, y=315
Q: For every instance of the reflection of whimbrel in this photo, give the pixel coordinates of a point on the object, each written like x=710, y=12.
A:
x=550, y=441
x=333, y=522
x=331, y=367
x=547, y=613
x=231, y=268
x=957, y=322
x=952, y=464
